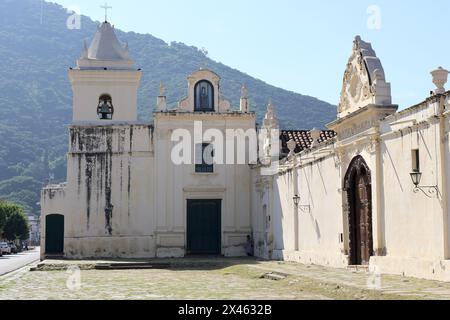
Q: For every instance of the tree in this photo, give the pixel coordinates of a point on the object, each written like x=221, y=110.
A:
x=6, y=210
x=3, y=216
x=13, y=222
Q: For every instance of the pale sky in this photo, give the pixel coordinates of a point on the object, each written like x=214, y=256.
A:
x=298, y=45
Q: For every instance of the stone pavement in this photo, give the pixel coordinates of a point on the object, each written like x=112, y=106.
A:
x=212, y=279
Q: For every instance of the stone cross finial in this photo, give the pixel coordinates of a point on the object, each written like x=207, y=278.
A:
x=161, y=103
x=162, y=90
x=292, y=145
x=244, y=92
x=270, y=120
x=270, y=105
x=440, y=77
x=315, y=135
x=244, y=99
x=106, y=7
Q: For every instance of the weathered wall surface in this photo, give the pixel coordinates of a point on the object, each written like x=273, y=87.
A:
x=52, y=202
x=108, y=203
x=178, y=183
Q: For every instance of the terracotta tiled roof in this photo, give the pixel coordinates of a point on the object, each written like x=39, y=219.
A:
x=302, y=138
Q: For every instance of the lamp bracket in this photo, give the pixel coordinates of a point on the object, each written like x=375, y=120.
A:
x=305, y=208
x=429, y=191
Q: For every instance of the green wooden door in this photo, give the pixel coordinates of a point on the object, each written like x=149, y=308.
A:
x=204, y=232
x=54, y=234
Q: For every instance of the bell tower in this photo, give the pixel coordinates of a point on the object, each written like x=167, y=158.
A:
x=105, y=81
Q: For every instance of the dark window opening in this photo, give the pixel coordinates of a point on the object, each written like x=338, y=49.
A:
x=204, y=158
x=416, y=160
x=105, y=109
x=204, y=96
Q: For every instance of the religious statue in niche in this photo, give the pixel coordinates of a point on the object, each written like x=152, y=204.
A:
x=204, y=99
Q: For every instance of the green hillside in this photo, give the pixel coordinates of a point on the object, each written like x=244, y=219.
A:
x=36, y=50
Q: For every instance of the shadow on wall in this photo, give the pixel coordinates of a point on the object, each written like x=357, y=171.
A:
x=277, y=220
x=395, y=170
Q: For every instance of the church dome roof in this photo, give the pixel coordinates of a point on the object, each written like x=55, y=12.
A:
x=106, y=46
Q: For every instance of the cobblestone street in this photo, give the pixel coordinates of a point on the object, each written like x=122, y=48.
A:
x=225, y=279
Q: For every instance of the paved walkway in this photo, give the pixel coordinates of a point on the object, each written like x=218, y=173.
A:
x=221, y=279
x=10, y=263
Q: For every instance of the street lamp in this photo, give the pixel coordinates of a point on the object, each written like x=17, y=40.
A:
x=305, y=208
x=429, y=191
x=296, y=200
x=416, y=177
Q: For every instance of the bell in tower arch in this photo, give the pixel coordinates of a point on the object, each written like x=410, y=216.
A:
x=105, y=109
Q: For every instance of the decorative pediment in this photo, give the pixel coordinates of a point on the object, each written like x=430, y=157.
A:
x=364, y=80
x=218, y=105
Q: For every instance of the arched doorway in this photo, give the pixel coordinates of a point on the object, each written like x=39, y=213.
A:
x=358, y=187
x=54, y=234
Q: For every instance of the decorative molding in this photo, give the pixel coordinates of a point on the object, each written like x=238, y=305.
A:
x=372, y=144
x=357, y=128
x=364, y=80
x=340, y=157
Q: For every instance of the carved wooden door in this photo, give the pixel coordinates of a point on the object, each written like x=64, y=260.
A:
x=358, y=188
x=363, y=221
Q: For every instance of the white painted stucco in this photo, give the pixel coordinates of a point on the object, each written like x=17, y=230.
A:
x=410, y=229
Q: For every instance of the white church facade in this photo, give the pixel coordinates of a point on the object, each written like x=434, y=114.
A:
x=124, y=197
x=372, y=190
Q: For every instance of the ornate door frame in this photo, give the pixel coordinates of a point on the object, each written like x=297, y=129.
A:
x=358, y=212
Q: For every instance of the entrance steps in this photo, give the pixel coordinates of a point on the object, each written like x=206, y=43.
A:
x=359, y=268
x=132, y=266
x=54, y=257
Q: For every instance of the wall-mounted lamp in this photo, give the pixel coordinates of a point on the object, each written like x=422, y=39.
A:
x=429, y=191
x=296, y=200
x=305, y=209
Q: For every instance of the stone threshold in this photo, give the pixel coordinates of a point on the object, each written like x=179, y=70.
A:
x=191, y=263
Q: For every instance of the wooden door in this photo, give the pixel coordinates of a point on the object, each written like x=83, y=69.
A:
x=204, y=232
x=365, y=221
x=54, y=234
x=358, y=188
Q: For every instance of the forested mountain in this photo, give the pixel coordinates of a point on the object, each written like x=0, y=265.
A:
x=36, y=50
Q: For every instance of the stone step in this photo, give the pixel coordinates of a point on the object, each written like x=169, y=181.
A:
x=132, y=266
x=275, y=276
x=361, y=268
x=54, y=257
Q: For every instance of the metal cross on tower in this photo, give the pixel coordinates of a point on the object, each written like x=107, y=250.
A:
x=106, y=7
